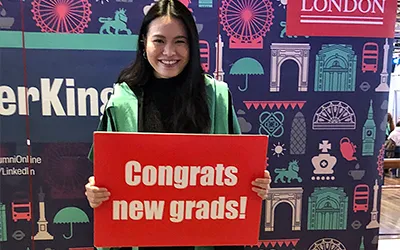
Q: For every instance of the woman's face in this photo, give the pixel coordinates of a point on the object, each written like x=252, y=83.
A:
x=167, y=47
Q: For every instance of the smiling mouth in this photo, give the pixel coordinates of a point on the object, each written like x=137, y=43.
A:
x=169, y=62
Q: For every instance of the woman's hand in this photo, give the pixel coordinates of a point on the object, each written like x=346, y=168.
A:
x=261, y=185
x=95, y=195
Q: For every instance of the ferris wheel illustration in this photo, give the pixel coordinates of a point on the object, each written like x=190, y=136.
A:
x=65, y=168
x=334, y=115
x=327, y=244
x=246, y=22
x=61, y=16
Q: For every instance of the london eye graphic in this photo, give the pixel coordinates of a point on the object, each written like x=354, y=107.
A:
x=65, y=168
x=327, y=244
x=61, y=16
x=246, y=22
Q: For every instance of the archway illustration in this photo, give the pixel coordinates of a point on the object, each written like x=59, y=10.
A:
x=293, y=197
x=280, y=52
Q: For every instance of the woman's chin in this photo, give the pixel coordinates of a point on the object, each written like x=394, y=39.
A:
x=167, y=73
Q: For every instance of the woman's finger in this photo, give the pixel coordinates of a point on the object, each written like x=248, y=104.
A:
x=97, y=200
x=260, y=191
x=90, y=188
x=262, y=181
x=98, y=195
x=261, y=185
x=91, y=180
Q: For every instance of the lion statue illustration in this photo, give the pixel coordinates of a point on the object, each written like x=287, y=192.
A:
x=291, y=173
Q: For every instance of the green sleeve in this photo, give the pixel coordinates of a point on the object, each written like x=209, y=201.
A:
x=106, y=123
x=235, y=121
x=234, y=126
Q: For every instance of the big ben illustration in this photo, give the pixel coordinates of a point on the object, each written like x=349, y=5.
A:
x=369, y=133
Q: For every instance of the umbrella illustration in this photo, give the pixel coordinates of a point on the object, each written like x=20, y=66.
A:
x=70, y=215
x=246, y=66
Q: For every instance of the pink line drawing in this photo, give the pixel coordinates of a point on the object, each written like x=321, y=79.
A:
x=279, y=242
x=348, y=149
x=370, y=56
x=21, y=207
x=205, y=55
x=246, y=22
x=361, y=198
x=272, y=104
x=61, y=16
x=380, y=162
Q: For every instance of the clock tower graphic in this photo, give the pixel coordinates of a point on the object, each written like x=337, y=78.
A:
x=369, y=133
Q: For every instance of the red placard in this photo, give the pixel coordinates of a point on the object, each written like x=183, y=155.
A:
x=178, y=189
x=348, y=18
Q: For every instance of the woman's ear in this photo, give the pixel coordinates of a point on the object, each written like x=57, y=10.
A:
x=144, y=42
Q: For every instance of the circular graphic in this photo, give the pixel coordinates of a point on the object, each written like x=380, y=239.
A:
x=61, y=16
x=246, y=20
x=327, y=244
x=334, y=115
x=65, y=169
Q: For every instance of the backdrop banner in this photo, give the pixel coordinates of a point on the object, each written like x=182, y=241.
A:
x=322, y=100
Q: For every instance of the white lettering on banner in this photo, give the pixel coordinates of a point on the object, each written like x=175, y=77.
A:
x=20, y=159
x=6, y=171
x=180, y=176
x=181, y=210
x=76, y=99
x=346, y=6
x=152, y=210
x=343, y=11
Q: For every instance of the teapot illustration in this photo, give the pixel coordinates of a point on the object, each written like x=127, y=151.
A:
x=348, y=149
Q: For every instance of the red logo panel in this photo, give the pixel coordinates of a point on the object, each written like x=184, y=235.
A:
x=348, y=18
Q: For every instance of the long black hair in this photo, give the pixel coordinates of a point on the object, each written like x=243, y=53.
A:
x=191, y=114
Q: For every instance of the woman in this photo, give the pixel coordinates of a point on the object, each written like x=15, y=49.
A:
x=165, y=90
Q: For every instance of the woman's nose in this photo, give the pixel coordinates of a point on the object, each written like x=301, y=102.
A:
x=169, y=50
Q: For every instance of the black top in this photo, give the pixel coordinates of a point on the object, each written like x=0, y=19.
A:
x=159, y=98
x=158, y=104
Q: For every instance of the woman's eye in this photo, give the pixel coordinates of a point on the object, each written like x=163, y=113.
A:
x=158, y=41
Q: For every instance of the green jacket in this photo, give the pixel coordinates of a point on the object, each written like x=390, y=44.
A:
x=124, y=108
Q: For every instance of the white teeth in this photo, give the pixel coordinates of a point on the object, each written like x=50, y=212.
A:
x=168, y=62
